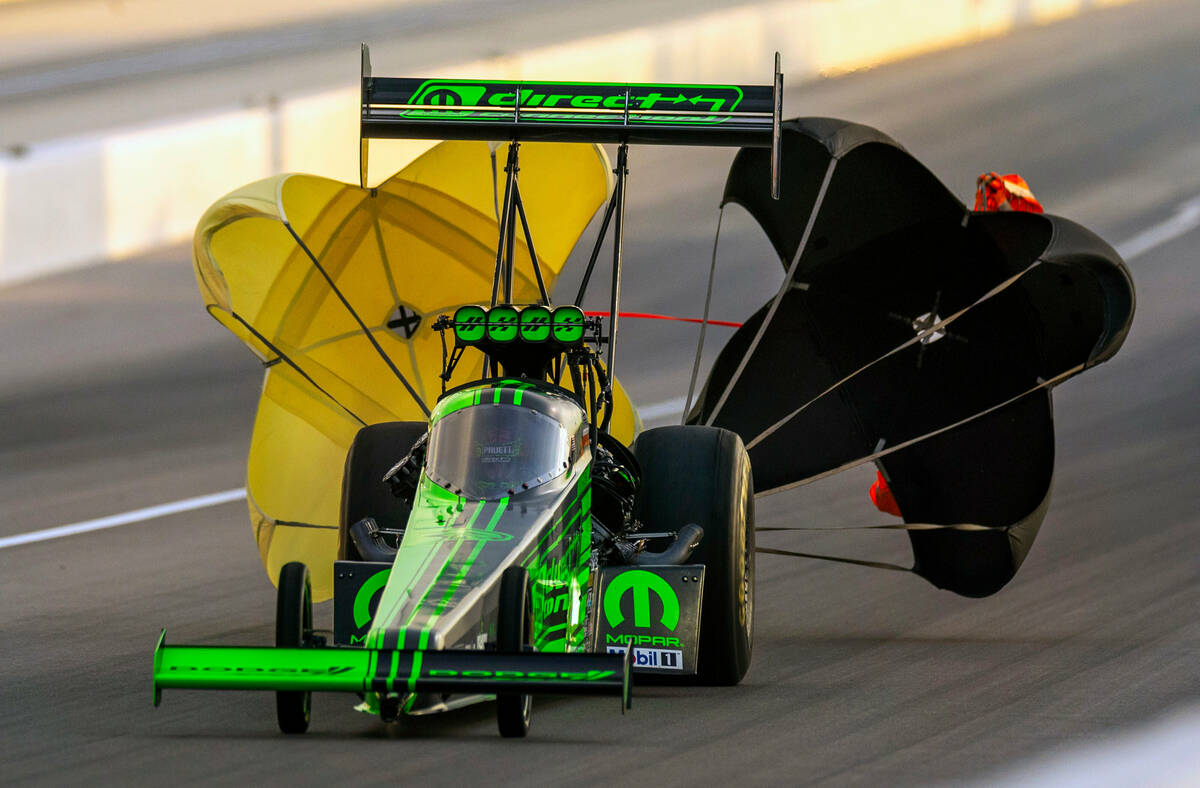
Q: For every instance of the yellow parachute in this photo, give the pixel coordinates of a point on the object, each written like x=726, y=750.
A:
x=288, y=262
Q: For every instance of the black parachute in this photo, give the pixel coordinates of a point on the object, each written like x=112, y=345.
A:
x=879, y=255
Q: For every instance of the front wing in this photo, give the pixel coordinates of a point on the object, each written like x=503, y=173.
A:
x=353, y=669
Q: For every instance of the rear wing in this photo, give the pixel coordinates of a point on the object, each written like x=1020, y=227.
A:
x=646, y=114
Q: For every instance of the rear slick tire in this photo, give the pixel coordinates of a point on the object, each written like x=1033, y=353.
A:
x=293, y=629
x=697, y=474
x=375, y=450
x=514, y=632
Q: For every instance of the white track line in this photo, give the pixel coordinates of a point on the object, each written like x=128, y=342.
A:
x=1162, y=753
x=1185, y=219
x=136, y=516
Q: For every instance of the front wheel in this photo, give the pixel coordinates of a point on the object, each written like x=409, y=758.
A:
x=293, y=629
x=514, y=631
x=701, y=475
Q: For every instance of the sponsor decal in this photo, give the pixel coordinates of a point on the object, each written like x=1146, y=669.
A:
x=661, y=658
x=640, y=584
x=448, y=94
x=639, y=640
x=692, y=102
x=499, y=452
x=555, y=600
x=465, y=534
x=332, y=670
x=367, y=592
x=590, y=675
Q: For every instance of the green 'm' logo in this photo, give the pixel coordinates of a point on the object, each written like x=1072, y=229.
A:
x=641, y=583
x=442, y=94
x=366, y=592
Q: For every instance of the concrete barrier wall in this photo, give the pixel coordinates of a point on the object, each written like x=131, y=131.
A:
x=82, y=201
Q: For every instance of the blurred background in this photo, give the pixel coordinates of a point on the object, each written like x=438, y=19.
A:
x=122, y=120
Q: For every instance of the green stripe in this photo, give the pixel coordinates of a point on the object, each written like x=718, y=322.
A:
x=380, y=630
x=579, y=491
x=438, y=577
x=370, y=674
x=519, y=394
x=384, y=618
x=386, y=621
x=395, y=669
x=453, y=402
x=462, y=574
x=563, y=532
x=416, y=670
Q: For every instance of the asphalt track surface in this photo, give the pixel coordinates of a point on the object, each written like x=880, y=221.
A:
x=117, y=393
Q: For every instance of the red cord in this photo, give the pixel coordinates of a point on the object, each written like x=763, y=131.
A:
x=649, y=316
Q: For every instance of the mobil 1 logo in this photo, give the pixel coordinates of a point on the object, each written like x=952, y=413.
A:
x=656, y=609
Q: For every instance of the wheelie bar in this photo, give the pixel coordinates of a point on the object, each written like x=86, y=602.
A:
x=351, y=669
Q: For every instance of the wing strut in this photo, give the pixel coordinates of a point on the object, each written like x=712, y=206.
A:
x=621, y=171
x=516, y=111
x=514, y=207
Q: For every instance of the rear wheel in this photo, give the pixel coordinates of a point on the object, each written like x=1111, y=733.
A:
x=701, y=475
x=375, y=450
x=514, y=631
x=294, y=628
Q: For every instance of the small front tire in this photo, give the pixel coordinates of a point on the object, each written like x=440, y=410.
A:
x=294, y=629
x=514, y=632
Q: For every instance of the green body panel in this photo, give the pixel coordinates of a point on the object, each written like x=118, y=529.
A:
x=442, y=589
x=463, y=398
x=438, y=607
x=266, y=668
x=559, y=572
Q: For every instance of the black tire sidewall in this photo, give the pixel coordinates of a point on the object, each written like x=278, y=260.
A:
x=513, y=623
x=701, y=475
x=376, y=448
x=293, y=629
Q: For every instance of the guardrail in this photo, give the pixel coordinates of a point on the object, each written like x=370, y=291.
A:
x=80, y=201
